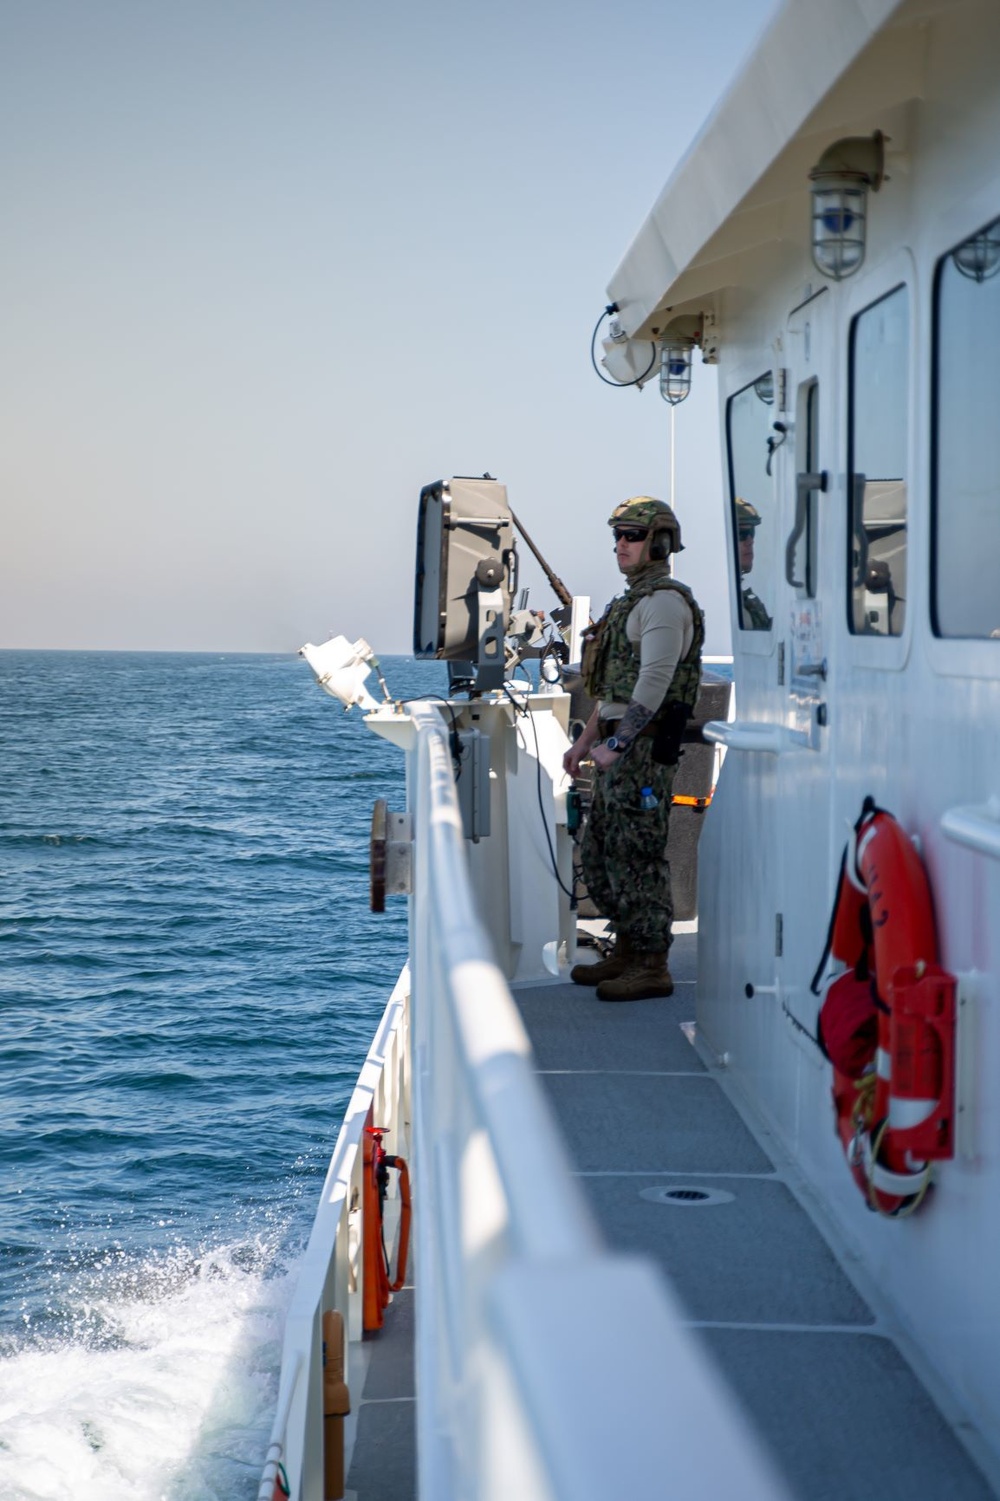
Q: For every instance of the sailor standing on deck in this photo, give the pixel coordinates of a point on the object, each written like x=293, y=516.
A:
x=642, y=663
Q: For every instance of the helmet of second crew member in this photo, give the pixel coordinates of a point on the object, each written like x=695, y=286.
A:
x=748, y=517
x=655, y=515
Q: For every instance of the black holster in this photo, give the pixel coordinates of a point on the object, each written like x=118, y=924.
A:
x=669, y=731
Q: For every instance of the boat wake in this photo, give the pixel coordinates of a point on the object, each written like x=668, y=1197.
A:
x=154, y=1379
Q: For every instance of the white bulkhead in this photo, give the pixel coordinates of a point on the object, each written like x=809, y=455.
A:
x=880, y=671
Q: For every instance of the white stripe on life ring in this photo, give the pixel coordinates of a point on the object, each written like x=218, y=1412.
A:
x=906, y=1113
x=899, y=1185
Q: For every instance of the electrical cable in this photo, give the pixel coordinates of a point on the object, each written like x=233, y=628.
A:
x=612, y=307
x=520, y=709
x=799, y=1027
x=456, y=755
x=577, y=869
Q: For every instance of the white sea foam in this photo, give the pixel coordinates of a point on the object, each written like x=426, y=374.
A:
x=175, y=1402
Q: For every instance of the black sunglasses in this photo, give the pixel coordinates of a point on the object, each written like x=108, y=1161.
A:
x=746, y=534
x=631, y=533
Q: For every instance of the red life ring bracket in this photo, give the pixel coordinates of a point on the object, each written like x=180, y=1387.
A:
x=888, y=1024
x=923, y=1018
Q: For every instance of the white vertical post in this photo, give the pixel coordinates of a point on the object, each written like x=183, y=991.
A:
x=579, y=621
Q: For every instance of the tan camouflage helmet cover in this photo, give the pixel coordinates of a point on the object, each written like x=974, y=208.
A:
x=643, y=510
x=747, y=516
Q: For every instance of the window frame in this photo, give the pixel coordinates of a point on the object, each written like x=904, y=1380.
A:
x=885, y=653
x=760, y=643
x=940, y=264
x=954, y=656
x=807, y=448
x=851, y=471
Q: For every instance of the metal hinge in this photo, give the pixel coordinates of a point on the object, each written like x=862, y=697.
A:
x=781, y=390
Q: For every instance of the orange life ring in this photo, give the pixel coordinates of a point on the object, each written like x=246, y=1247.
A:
x=893, y=1089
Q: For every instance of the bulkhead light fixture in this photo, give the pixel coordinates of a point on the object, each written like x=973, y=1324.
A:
x=840, y=183
x=978, y=258
x=678, y=342
x=675, y=372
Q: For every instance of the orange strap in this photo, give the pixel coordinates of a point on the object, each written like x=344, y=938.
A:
x=691, y=802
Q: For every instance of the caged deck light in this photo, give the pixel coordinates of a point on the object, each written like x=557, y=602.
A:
x=675, y=372
x=978, y=258
x=678, y=344
x=840, y=183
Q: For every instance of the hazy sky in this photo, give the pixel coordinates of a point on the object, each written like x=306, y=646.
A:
x=268, y=268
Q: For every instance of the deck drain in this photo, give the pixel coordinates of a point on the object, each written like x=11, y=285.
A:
x=687, y=1198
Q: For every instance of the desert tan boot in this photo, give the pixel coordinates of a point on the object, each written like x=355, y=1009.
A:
x=644, y=977
x=605, y=969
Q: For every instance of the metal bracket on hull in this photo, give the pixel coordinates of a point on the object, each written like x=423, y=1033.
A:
x=978, y=827
x=967, y=987
x=747, y=735
x=390, y=855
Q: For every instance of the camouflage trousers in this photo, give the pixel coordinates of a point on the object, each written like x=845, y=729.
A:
x=624, y=854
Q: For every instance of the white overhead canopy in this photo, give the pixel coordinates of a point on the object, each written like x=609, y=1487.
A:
x=823, y=69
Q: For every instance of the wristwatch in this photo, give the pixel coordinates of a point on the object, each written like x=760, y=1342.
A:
x=614, y=744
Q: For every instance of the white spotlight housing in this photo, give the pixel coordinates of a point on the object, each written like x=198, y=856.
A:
x=341, y=669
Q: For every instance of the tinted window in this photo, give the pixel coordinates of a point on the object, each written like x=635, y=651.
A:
x=801, y=549
x=966, y=588
x=880, y=341
x=749, y=416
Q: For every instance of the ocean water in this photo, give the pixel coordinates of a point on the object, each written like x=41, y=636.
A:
x=189, y=980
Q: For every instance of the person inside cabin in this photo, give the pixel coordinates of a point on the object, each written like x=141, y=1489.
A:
x=878, y=583
x=642, y=663
x=755, y=616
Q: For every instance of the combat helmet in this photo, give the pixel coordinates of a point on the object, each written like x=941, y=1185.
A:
x=656, y=515
x=748, y=518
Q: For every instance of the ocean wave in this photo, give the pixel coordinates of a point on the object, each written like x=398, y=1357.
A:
x=154, y=1377
x=190, y=980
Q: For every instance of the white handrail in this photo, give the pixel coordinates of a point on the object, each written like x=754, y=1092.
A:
x=496, y=1049
x=276, y=1448
x=976, y=826
x=747, y=735
x=547, y=1368
x=324, y=1271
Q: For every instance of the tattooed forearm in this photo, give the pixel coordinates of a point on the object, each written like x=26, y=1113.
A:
x=633, y=722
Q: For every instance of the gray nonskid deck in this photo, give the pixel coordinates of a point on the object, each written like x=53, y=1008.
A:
x=384, y=1462
x=812, y=1361
x=809, y=1355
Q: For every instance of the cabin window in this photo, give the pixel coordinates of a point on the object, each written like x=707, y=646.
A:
x=748, y=426
x=877, y=443
x=800, y=549
x=966, y=469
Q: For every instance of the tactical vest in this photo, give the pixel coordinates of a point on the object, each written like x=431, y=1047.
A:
x=755, y=615
x=610, y=665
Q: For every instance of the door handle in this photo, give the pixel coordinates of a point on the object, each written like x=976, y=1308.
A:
x=805, y=483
